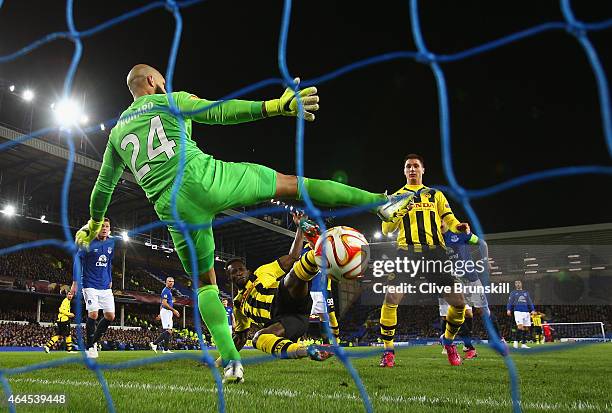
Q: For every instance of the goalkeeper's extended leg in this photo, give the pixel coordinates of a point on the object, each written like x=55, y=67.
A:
x=333, y=194
x=214, y=315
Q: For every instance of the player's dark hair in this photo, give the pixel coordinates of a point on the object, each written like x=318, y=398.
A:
x=232, y=260
x=415, y=156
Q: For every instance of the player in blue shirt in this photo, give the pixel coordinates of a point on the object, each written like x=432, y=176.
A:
x=95, y=267
x=231, y=322
x=323, y=309
x=520, y=303
x=166, y=311
x=458, y=250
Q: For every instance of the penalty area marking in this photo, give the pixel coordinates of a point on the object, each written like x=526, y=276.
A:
x=578, y=405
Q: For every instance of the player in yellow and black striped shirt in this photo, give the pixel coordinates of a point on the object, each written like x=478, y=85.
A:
x=536, y=322
x=419, y=237
x=275, y=300
x=63, y=325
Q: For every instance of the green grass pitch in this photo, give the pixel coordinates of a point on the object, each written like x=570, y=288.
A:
x=570, y=380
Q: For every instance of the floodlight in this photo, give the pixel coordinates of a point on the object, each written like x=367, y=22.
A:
x=68, y=113
x=9, y=210
x=28, y=95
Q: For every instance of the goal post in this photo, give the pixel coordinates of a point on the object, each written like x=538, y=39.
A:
x=582, y=331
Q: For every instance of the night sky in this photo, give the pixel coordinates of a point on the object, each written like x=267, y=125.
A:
x=523, y=108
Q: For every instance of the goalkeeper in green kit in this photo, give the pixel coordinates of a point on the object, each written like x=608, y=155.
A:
x=147, y=139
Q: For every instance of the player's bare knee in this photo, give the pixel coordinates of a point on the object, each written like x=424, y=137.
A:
x=286, y=186
x=93, y=315
x=456, y=300
x=208, y=278
x=393, y=298
x=109, y=316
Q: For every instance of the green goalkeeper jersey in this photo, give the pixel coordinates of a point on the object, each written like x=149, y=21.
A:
x=147, y=138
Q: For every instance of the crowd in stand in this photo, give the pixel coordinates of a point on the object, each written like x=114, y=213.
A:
x=23, y=335
x=34, y=335
x=41, y=265
x=44, y=264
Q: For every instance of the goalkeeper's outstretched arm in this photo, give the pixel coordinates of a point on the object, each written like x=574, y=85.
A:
x=110, y=173
x=235, y=111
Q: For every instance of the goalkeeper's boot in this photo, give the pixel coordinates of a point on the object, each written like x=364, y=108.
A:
x=233, y=372
x=310, y=229
x=396, y=204
x=319, y=352
x=47, y=349
x=524, y=346
x=387, y=359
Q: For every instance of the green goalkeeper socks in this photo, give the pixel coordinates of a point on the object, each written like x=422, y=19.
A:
x=213, y=314
x=333, y=194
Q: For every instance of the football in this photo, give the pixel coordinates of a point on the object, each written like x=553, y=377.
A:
x=343, y=252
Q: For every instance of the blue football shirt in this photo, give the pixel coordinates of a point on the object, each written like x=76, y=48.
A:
x=167, y=294
x=458, y=249
x=96, y=264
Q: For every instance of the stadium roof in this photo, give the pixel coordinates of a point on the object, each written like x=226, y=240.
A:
x=32, y=175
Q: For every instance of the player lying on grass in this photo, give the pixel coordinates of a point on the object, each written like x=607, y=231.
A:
x=147, y=139
x=276, y=301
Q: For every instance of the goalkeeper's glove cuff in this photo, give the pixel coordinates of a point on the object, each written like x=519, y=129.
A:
x=86, y=234
x=272, y=107
x=95, y=226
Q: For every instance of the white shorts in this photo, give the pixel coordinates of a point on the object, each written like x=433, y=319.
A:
x=522, y=318
x=99, y=299
x=318, y=303
x=166, y=318
x=475, y=299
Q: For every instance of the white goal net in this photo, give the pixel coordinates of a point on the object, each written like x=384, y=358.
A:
x=584, y=331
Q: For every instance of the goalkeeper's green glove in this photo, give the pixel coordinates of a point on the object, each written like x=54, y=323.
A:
x=287, y=105
x=87, y=233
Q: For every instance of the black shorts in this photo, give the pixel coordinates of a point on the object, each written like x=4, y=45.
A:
x=430, y=270
x=291, y=312
x=62, y=328
x=537, y=329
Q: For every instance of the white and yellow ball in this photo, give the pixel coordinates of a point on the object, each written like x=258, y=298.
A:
x=342, y=252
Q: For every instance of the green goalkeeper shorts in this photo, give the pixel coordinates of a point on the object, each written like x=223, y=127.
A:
x=210, y=186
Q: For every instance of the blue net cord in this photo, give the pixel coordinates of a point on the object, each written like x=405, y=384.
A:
x=574, y=26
